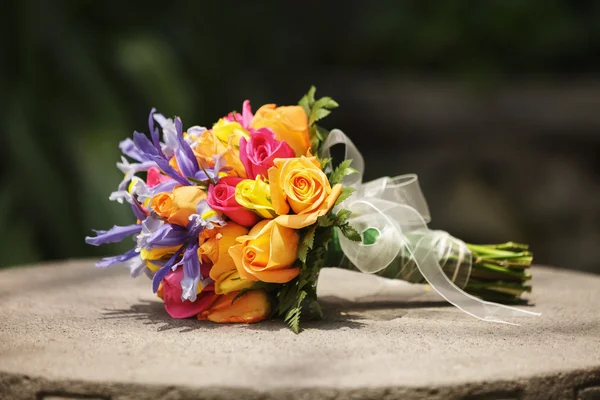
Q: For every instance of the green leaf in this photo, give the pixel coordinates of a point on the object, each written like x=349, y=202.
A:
x=197, y=181
x=321, y=133
x=370, y=235
x=315, y=310
x=325, y=237
x=321, y=108
x=315, y=144
x=311, y=95
x=350, y=233
x=287, y=295
x=307, y=243
x=302, y=253
x=309, y=238
x=346, y=192
x=317, y=114
x=324, y=162
x=326, y=102
x=292, y=317
x=304, y=104
x=341, y=217
x=308, y=100
x=315, y=111
x=325, y=220
x=341, y=171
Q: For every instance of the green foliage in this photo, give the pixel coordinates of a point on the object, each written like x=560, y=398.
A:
x=316, y=110
x=326, y=220
x=312, y=251
x=315, y=310
x=342, y=170
x=349, y=232
x=346, y=192
x=308, y=100
x=341, y=217
x=370, y=235
x=306, y=243
x=292, y=316
x=321, y=108
x=341, y=221
x=325, y=163
x=321, y=133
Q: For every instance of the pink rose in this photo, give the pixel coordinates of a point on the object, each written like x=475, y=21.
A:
x=155, y=177
x=258, y=154
x=221, y=197
x=171, y=294
x=243, y=119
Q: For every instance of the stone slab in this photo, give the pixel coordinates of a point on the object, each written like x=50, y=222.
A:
x=68, y=330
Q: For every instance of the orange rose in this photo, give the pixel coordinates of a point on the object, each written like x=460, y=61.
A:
x=253, y=306
x=300, y=184
x=267, y=253
x=178, y=205
x=208, y=145
x=289, y=123
x=216, y=250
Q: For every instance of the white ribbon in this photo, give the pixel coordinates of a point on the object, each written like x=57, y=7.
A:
x=397, y=209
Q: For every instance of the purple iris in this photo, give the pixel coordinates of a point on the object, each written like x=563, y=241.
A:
x=114, y=260
x=167, y=235
x=146, y=149
x=152, y=232
x=190, y=260
x=128, y=148
x=113, y=235
x=186, y=160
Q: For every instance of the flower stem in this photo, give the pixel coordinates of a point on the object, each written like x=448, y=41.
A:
x=499, y=271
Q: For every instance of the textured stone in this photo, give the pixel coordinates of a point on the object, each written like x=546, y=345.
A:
x=68, y=330
x=590, y=393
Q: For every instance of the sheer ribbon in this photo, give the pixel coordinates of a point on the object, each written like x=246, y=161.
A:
x=394, y=212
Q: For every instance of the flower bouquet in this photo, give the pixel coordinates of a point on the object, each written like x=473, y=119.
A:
x=235, y=222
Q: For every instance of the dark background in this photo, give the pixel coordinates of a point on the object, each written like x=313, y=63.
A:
x=495, y=104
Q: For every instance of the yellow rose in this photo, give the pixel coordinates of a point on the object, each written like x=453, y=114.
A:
x=267, y=253
x=254, y=195
x=231, y=282
x=252, y=306
x=300, y=184
x=226, y=131
x=289, y=123
x=178, y=205
x=208, y=145
x=157, y=254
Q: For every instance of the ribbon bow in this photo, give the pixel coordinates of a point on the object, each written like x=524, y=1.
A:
x=395, y=213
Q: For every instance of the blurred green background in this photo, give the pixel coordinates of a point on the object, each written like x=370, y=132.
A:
x=494, y=104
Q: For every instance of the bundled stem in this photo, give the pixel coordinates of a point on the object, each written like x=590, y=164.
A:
x=500, y=271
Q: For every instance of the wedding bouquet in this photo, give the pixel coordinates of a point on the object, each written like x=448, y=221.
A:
x=235, y=222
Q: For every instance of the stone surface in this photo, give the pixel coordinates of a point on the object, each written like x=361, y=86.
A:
x=68, y=331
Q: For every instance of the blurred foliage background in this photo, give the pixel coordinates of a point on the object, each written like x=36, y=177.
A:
x=494, y=104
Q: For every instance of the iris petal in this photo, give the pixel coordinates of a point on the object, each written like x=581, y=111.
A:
x=113, y=235
x=110, y=261
x=164, y=270
x=146, y=147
